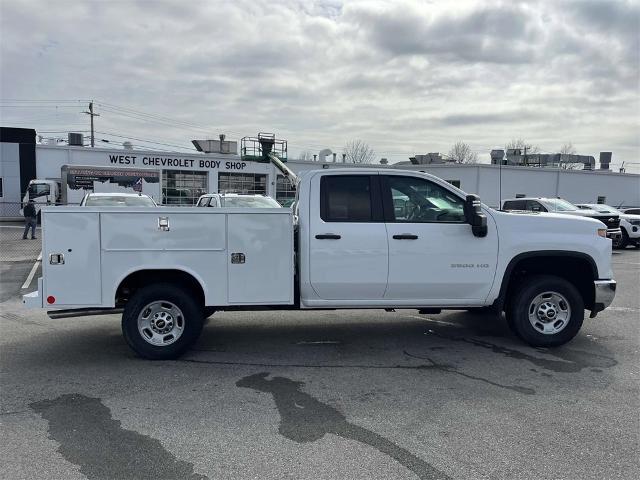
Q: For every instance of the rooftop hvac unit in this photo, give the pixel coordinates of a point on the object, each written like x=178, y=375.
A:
x=605, y=160
x=76, y=140
x=216, y=146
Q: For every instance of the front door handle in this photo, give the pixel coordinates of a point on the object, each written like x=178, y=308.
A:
x=328, y=236
x=405, y=236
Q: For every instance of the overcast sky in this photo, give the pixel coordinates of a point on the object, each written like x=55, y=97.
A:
x=406, y=77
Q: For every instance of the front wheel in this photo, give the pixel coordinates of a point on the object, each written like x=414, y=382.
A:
x=161, y=321
x=546, y=311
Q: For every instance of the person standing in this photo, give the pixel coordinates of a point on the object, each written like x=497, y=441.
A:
x=30, y=220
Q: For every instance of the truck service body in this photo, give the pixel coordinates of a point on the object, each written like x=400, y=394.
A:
x=356, y=238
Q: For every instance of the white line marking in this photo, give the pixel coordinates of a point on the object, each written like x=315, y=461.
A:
x=29, y=279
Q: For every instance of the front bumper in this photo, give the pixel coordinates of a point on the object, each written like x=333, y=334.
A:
x=614, y=233
x=605, y=291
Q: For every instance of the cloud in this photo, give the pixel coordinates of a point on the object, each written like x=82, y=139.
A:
x=406, y=76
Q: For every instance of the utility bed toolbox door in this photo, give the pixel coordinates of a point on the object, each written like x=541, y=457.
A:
x=76, y=237
x=260, y=260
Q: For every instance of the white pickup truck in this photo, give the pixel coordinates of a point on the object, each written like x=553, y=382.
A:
x=356, y=238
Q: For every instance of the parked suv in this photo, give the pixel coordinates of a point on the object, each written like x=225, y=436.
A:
x=236, y=200
x=558, y=205
x=629, y=224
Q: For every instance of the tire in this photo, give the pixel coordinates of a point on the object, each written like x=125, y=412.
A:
x=546, y=303
x=623, y=242
x=161, y=321
x=208, y=311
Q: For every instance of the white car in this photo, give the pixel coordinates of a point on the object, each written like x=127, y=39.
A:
x=558, y=205
x=117, y=200
x=236, y=200
x=629, y=224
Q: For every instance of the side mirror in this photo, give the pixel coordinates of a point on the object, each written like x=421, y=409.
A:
x=474, y=216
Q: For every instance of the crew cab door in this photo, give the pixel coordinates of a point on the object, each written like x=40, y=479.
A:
x=348, y=251
x=434, y=258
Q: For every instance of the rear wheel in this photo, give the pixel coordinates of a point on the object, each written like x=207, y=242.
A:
x=161, y=321
x=546, y=311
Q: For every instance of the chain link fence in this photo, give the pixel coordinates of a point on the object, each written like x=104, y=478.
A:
x=13, y=248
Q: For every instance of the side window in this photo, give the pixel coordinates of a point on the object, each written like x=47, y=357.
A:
x=346, y=198
x=535, y=206
x=203, y=202
x=416, y=200
x=513, y=205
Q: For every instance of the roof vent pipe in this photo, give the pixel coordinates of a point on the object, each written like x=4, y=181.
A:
x=334, y=157
x=344, y=158
x=322, y=154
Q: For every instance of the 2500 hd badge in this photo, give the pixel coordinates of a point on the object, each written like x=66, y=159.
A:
x=469, y=265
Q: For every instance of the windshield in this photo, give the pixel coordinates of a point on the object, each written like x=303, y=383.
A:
x=119, y=201
x=38, y=190
x=249, y=202
x=559, y=205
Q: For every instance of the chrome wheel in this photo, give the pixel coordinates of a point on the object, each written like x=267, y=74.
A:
x=161, y=323
x=549, y=313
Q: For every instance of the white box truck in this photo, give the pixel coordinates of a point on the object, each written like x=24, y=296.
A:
x=77, y=180
x=356, y=238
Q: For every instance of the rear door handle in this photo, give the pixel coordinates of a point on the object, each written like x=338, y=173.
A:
x=328, y=236
x=405, y=236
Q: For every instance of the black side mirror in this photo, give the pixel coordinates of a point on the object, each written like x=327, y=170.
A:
x=474, y=216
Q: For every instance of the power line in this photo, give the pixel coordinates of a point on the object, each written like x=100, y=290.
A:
x=146, y=141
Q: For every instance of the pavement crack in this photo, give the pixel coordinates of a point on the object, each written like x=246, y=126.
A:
x=303, y=418
x=454, y=370
x=569, y=361
x=89, y=437
x=306, y=365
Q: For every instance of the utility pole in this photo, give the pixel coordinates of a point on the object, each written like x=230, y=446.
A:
x=91, y=114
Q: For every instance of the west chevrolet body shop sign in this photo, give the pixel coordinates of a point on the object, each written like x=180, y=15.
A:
x=179, y=163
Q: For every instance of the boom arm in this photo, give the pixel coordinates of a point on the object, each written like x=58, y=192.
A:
x=286, y=171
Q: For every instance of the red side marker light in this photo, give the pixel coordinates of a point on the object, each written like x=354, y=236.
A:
x=51, y=299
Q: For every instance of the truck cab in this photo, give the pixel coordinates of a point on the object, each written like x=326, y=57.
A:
x=42, y=192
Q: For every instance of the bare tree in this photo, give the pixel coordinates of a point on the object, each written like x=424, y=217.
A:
x=462, y=153
x=358, y=151
x=305, y=156
x=522, y=145
x=568, y=149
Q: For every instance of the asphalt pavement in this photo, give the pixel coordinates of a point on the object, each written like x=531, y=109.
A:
x=323, y=395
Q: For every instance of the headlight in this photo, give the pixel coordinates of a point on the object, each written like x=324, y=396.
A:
x=602, y=232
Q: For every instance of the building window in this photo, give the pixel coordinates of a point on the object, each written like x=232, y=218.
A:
x=255, y=183
x=285, y=191
x=183, y=187
x=455, y=183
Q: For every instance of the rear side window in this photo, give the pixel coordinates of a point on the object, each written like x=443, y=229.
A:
x=534, y=206
x=513, y=205
x=346, y=198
